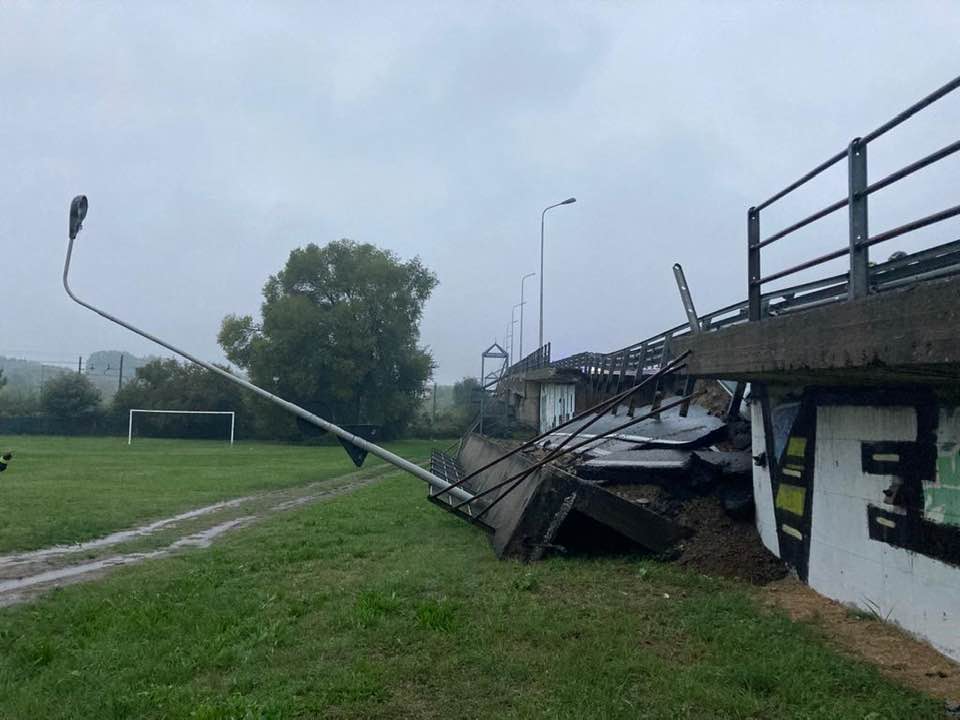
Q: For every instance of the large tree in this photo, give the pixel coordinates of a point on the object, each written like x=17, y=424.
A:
x=69, y=395
x=170, y=385
x=340, y=333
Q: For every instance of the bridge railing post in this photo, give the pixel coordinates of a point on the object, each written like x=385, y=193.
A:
x=858, y=280
x=753, y=263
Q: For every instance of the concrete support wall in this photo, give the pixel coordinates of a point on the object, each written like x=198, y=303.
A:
x=557, y=404
x=862, y=497
x=762, y=489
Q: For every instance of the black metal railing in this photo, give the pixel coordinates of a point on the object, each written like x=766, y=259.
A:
x=861, y=277
x=647, y=356
x=539, y=358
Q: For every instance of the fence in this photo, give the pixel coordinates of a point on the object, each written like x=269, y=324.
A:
x=861, y=278
x=539, y=358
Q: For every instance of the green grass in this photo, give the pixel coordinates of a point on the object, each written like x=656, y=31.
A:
x=67, y=490
x=378, y=604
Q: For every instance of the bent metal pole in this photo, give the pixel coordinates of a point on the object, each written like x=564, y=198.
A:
x=78, y=210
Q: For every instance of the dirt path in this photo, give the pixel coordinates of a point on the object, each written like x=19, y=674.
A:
x=25, y=575
x=894, y=652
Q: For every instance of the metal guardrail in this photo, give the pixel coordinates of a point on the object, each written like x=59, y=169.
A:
x=858, y=190
x=943, y=260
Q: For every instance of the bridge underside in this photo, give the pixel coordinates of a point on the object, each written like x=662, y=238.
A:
x=903, y=336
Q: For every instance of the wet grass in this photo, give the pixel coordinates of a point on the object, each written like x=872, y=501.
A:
x=378, y=604
x=67, y=490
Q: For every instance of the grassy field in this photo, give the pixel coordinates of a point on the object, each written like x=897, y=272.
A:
x=67, y=490
x=377, y=604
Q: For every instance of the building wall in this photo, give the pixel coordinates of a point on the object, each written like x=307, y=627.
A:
x=862, y=497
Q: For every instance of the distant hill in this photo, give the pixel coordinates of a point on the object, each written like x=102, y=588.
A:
x=27, y=375
x=104, y=366
x=101, y=367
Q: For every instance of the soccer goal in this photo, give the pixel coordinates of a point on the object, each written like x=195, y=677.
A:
x=134, y=411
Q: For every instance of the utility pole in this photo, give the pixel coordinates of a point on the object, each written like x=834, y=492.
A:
x=522, y=303
x=513, y=322
x=120, y=381
x=568, y=201
x=80, y=365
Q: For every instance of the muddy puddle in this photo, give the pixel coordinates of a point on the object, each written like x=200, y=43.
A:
x=25, y=575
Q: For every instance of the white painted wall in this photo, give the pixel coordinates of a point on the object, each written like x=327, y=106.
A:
x=762, y=491
x=557, y=404
x=919, y=593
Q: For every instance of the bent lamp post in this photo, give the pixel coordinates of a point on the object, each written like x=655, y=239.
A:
x=356, y=446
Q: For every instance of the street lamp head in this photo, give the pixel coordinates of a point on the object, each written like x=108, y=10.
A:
x=569, y=201
x=78, y=211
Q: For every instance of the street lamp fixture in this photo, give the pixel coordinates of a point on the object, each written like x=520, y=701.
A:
x=513, y=322
x=568, y=201
x=522, y=303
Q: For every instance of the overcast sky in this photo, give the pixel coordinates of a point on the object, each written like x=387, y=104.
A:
x=212, y=138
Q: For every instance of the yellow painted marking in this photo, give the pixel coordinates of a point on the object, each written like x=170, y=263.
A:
x=886, y=457
x=791, y=498
x=797, y=446
x=886, y=523
x=792, y=472
x=792, y=531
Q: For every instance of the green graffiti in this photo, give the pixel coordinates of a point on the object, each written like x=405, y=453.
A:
x=942, y=498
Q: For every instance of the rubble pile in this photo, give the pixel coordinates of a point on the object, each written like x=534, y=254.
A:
x=695, y=471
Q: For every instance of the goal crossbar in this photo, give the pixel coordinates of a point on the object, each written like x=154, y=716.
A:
x=231, y=413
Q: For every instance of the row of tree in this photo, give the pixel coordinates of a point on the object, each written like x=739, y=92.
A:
x=338, y=333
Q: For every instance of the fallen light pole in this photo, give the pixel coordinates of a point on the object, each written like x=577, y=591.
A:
x=359, y=446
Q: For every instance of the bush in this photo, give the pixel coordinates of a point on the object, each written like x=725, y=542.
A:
x=69, y=396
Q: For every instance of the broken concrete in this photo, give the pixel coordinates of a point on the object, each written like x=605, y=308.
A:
x=668, y=491
x=670, y=430
x=554, y=508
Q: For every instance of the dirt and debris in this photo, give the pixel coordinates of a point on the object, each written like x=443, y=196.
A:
x=704, y=484
x=720, y=545
x=894, y=652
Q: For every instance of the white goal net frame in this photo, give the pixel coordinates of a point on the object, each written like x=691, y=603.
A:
x=231, y=413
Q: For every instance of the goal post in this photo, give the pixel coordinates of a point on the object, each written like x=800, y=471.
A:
x=231, y=413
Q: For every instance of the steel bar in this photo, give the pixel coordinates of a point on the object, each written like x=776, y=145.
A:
x=913, y=109
x=623, y=372
x=664, y=360
x=804, y=265
x=858, y=284
x=803, y=287
x=754, y=308
x=833, y=293
x=733, y=409
x=349, y=437
x=915, y=225
x=833, y=160
x=914, y=166
x=686, y=298
x=599, y=408
x=931, y=275
x=558, y=451
x=641, y=363
x=936, y=257
x=526, y=473
x=832, y=208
